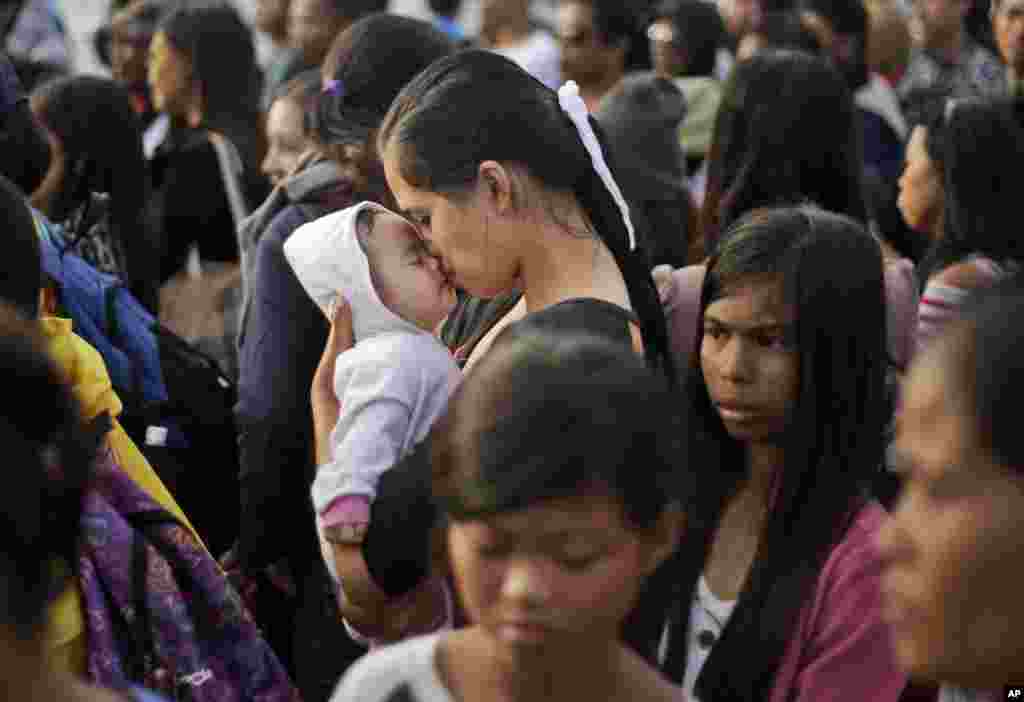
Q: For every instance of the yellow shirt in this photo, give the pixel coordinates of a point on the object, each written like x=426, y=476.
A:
x=87, y=375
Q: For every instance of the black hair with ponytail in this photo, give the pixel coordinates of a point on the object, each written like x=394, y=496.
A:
x=477, y=106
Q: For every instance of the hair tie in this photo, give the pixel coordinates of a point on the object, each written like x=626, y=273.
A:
x=335, y=88
x=572, y=104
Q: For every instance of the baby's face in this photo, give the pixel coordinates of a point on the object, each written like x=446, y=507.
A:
x=407, y=279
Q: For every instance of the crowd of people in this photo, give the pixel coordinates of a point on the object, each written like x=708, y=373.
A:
x=631, y=351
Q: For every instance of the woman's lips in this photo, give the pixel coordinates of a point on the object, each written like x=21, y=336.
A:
x=735, y=412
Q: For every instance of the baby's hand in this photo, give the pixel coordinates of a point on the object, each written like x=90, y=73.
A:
x=347, y=520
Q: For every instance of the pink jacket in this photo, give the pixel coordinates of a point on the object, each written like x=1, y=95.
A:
x=680, y=296
x=841, y=651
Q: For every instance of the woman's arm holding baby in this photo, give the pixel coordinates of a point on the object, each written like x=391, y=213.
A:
x=367, y=608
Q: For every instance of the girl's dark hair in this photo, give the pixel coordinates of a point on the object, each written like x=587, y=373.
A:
x=830, y=271
x=41, y=510
x=700, y=29
x=219, y=45
x=982, y=148
x=368, y=64
x=477, y=106
x=102, y=140
x=547, y=415
x=786, y=132
x=22, y=271
x=785, y=29
x=990, y=353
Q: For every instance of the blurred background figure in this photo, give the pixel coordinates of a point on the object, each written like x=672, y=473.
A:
x=889, y=41
x=600, y=41
x=1008, y=27
x=507, y=27
x=22, y=141
x=945, y=55
x=445, y=14
x=288, y=131
x=641, y=117
x=783, y=29
x=131, y=31
x=281, y=61
x=97, y=181
x=950, y=546
x=314, y=24
x=685, y=38
x=39, y=35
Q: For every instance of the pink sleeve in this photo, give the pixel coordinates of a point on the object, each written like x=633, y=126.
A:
x=901, y=302
x=842, y=651
x=681, y=302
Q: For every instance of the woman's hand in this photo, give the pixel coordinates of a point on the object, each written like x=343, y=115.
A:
x=326, y=408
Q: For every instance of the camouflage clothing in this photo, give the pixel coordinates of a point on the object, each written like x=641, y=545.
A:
x=978, y=73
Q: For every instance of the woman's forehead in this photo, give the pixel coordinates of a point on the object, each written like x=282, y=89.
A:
x=752, y=299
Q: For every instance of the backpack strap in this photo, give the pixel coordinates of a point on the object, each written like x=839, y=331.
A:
x=231, y=169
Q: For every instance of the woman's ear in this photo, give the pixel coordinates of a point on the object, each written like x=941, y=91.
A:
x=664, y=537
x=497, y=184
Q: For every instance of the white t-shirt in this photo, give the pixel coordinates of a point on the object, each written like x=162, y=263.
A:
x=539, y=56
x=403, y=672
x=708, y=618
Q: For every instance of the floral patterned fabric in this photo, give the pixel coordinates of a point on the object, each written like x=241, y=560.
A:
x=159, y=610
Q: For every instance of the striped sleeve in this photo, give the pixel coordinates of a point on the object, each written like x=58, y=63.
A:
x=938, y=307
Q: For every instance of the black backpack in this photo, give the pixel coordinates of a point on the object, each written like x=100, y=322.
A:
x=190, y=440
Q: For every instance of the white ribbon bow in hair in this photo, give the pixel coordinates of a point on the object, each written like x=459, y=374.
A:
x=572, y=104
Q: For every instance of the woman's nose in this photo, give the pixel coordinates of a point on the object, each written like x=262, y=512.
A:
x=735, y=360
x=526, y=584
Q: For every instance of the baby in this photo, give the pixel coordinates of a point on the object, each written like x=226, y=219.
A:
x=398, y=377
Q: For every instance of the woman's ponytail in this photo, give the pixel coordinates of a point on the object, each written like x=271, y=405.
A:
x=608, y=212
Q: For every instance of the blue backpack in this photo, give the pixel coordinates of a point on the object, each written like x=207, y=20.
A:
x=107, y=316
x=178, y=403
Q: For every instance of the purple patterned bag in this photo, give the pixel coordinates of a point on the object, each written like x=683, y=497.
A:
x=159, y=611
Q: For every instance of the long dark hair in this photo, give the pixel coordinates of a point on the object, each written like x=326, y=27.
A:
x=368, y=64
x=832, y=445
x=218, y=43
x=102, y=140
x=786, y=132
x=476, y=106
x=983, y=147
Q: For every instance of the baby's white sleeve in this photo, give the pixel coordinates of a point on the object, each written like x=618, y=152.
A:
x=369, y=436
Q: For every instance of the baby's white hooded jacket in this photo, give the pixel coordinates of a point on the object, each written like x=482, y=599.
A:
x=392, y=384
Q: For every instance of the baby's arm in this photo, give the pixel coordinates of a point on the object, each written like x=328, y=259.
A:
x=367, y=440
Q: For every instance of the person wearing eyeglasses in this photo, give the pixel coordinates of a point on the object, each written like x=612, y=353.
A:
x=1008, y=27
x=600, y=42
x=685, y=39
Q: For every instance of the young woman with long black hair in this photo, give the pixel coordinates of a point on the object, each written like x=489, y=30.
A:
x=509, y=186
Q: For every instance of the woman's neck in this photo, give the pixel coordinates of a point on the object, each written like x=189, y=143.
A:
x=568, y=262
x=763, y=459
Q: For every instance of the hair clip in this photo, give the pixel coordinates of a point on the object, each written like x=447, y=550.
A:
x=334, y=87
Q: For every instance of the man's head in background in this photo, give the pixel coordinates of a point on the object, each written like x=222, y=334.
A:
x=314, y=24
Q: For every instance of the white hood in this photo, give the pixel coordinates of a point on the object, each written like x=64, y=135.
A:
x=328, y=261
